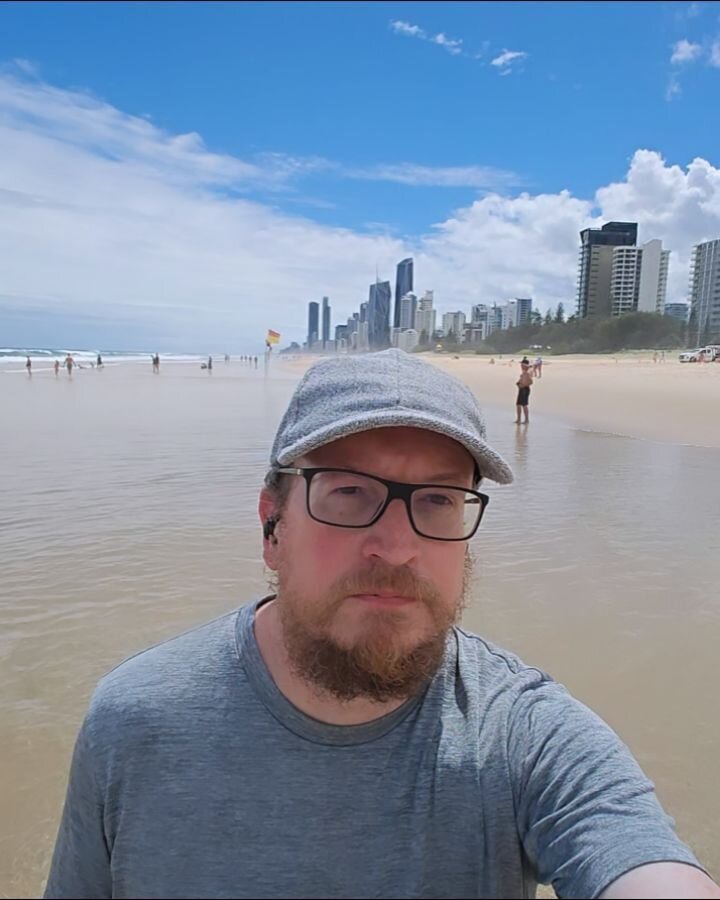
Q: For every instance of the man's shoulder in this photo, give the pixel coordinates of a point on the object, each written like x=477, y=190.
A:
x=159, y=679
x=496, y=671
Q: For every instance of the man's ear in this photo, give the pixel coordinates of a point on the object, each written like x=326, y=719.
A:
x=269, y=518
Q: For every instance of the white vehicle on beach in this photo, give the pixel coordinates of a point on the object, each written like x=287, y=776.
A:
x=710, y=353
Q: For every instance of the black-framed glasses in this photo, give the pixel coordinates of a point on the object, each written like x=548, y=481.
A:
x=349, y=499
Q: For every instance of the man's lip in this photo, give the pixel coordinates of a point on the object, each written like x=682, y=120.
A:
x=383, y=597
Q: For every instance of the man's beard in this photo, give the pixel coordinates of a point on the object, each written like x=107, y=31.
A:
x=378, y=665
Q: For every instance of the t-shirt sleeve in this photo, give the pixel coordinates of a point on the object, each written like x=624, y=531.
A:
x=80, y=866
x=586, y=812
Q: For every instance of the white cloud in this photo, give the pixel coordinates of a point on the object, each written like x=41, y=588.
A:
x=685, y=51
x=482, y=177
x=450, y=44
x=400, y=27
x=673, y=88
x=505, y=60
x=714, y=59
x=105, y=219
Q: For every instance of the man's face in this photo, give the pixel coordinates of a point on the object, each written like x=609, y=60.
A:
x=365, y=611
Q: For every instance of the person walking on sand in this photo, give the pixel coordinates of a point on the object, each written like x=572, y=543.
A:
x=28, y=365
x=99, y=362
x=56, y=366
x=537, y=367
x=523, y=383
x=69, y=363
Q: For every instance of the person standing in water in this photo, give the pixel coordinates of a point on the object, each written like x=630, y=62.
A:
x=56, y=366
x=99, y=362
x=523, y=398
x=69, y=363
x=28, y=365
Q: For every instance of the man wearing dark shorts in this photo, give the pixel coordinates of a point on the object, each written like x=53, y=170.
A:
x=523, y=397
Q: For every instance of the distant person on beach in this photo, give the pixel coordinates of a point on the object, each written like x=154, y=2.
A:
x=343, y=736
x=156, y=363
x=256, y=361
x=99, y=361
x=537, y=367
x=56, y=366
x=28, y=365
x=209, y=363
x=523, y=385
x=69, y=364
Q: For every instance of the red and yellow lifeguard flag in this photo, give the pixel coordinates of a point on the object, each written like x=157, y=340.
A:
x=273, y=337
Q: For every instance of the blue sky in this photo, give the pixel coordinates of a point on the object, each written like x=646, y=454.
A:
x=349, y=134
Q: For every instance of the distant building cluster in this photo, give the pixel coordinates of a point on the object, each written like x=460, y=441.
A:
x=406, y=320
x=615, y=276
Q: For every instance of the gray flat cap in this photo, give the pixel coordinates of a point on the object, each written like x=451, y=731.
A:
x=345, y=395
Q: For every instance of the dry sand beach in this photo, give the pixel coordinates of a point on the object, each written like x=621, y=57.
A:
x=128, y=513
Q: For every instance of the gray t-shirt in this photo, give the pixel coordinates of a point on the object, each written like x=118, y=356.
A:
x=193, y=776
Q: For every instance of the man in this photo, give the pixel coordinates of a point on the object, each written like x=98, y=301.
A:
x=344, y=737
x=523, y=385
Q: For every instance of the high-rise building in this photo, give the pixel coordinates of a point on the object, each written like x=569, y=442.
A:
x=313, y=332
x=679, y=311
x=403, y=285
x=378, y=313
x=496, y=318
x=638, y=281
x=704, y=326
x=408, y=309
x=653, y=277
x=325, y=321
x=523, y=309
x=478, y=314
x=454, y=323
x=425, y=318
x=341, y=338
x=408, y=340
x=508, y=315
x=625, y=271
x=595, y=267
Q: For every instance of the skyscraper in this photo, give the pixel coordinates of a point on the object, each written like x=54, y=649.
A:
x=523, y=309
x=638, y=279
x=403, y=285
x=408, y=309
x=705, y=293
x=454, y=325
x=596, y=265
x=378, y=315
x=325, y=321
x=425, y=318
x=653, y=277
x=313, y=313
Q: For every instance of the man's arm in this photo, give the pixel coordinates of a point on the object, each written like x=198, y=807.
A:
x=588, y=817
x=664, y=881
x=80, y=866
